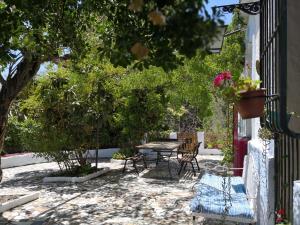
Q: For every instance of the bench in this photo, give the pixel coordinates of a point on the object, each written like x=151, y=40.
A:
x=227, y=198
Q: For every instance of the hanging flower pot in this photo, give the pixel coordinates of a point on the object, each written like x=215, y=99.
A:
x=251, y=103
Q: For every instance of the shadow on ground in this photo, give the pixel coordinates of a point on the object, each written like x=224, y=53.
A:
x=114, y=198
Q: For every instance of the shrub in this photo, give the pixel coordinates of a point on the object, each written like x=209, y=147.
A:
x=123, y=153
x=12, y=142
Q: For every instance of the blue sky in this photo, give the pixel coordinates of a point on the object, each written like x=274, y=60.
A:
x=211, y=3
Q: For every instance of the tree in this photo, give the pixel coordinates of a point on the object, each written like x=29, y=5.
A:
x=154, y=32
x=144, y=103
x=65, y=113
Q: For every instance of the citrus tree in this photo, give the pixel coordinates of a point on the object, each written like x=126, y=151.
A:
x=150, y=32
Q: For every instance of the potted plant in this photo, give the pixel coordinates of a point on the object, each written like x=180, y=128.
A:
x=245, y=93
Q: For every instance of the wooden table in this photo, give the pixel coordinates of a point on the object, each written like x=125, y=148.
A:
x=159, y=147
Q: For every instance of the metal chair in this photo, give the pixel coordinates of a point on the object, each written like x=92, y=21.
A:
x=135, y=158
x=189, y=157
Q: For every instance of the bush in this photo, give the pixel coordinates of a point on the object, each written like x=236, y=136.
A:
x=12, y=141
x=123, y=153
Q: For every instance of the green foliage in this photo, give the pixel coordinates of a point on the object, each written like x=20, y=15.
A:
x=76, y=171
x=123, y=153
x=89, y=105
x=13, y=143
x=230, y=59
x=70, y=112
x=245, y=83
x=142, y=111
x=192, y=91
x=46, y=28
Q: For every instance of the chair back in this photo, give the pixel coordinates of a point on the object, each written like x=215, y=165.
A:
x=195, y=151
x=189, y=139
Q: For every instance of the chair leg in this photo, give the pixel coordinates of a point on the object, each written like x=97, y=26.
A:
x=135, y=167
x=181, y=165
x=144, y=161
x=193, y=168
x=185, y=166
x=157, y=157
x=124, y=168
x=197, y=163
x=169, y=168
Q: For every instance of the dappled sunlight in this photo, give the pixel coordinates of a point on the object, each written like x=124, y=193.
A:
x=114, y=198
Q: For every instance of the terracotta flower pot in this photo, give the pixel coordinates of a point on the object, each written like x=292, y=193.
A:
x=251, y=103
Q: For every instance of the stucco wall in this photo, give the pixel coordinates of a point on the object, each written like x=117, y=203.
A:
x=296, y=198
x=21, y=160
x=264, y=159
x=265, y=169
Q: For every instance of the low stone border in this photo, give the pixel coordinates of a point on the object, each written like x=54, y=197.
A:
x=76, y=179
x=18, y=201
x=210, y=151
x=120, y=161
x=21, y=160
x=102, y=153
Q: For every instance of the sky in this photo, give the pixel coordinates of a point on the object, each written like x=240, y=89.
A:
x=211, y=3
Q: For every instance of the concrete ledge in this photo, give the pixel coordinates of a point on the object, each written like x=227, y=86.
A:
x=75, y=179
x=19, y=201
x=208, y=151
x=21, y=160
x=102, y=153
x=120, y=161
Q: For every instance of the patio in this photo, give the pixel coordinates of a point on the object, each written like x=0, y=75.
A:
x=114, y=198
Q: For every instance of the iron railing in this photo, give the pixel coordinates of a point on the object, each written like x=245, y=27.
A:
x=273, y=71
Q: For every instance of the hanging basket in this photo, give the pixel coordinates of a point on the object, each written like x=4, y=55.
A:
x=251, y=103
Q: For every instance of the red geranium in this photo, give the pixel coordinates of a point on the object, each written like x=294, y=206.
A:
x=279, y=220
x=281, y=212
x=221, y=77
x=219, y=80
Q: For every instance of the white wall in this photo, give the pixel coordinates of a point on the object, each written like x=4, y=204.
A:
x=296, y=203
x=103, y=153
x=266, y=192
x=264, y=161
x=21, y=160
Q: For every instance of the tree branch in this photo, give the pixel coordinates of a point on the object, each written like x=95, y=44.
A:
x=2, y=81
x=13, y=66
x=57, y=59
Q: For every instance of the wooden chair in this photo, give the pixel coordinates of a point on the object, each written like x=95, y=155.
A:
x=189, y=140
x=135, y=158
x=189, y=157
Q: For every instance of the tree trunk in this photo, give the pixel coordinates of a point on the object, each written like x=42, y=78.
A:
x=4, y=107
x=26, y=69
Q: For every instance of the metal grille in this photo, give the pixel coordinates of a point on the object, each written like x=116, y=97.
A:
x=273, y=65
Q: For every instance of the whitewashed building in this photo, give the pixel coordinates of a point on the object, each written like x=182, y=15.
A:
x=273, y=43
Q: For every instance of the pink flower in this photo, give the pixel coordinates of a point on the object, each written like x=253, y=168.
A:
x=219, y=80
x=227, y=75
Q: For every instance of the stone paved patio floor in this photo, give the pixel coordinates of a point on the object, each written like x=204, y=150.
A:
x=114, y=198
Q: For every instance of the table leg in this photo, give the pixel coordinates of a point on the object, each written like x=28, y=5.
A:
x=157, y=157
